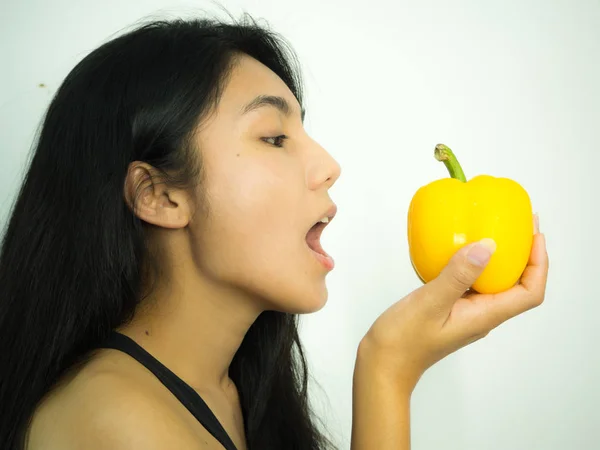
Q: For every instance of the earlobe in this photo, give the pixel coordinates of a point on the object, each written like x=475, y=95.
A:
x=157, y=206
x=171, y=210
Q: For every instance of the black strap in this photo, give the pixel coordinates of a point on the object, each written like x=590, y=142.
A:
x=186, y=395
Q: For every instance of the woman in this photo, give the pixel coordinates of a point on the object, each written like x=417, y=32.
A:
x=163, y=243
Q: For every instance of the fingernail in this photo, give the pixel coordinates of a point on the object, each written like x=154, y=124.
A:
x=481, y=252
x=536, y=223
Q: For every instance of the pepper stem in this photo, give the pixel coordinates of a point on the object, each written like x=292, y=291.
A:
x=444, y=154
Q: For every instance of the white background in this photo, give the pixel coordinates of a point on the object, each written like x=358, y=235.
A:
x=511, y=86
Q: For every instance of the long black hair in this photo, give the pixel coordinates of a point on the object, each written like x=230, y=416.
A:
x=72, y=253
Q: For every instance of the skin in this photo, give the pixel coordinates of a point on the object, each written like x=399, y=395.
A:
x=234, y=248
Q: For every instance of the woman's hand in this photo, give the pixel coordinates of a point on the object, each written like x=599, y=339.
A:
x=430, y=323
x=443, y=315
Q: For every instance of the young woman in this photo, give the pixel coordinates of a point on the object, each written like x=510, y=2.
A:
x=164, y=241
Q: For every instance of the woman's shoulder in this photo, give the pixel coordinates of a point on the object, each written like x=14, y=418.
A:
x=110, y=402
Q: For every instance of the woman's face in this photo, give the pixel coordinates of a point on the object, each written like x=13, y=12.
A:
x=263, y=194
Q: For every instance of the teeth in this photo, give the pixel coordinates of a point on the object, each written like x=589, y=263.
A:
x=324, y=220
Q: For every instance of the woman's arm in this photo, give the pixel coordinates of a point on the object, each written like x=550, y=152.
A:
x=380, y=407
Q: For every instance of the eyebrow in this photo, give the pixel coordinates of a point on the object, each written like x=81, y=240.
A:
x=274, y=101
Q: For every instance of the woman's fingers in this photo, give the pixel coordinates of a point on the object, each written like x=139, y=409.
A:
x=522, y=297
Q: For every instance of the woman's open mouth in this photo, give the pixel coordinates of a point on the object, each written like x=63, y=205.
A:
x=314, y=244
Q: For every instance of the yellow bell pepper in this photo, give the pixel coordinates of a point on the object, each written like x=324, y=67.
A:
x=450, y=213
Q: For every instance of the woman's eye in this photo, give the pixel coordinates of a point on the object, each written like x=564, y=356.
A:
x=276, y=141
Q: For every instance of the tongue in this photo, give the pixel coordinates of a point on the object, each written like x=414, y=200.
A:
x=313, y=236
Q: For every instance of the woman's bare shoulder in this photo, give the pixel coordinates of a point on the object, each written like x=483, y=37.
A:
x=109, y=403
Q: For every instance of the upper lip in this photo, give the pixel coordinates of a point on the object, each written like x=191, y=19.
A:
x=329, y=213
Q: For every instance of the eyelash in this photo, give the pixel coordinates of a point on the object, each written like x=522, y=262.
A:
x=281, y=138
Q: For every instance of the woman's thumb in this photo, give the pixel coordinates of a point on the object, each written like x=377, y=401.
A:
x=463, y=269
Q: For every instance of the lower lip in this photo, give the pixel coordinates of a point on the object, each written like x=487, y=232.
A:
x=326, y=261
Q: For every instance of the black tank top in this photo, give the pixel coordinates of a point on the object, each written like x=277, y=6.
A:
x=184, y=393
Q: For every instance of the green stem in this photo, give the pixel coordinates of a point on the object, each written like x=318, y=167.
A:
x=444, y=154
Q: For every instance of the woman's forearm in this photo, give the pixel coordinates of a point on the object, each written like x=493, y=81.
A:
x=380, y=407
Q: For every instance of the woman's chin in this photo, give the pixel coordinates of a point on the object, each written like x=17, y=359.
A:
x=307, y=305
x=297, y=300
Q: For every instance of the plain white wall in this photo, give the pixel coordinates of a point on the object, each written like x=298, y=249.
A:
x=512, y=86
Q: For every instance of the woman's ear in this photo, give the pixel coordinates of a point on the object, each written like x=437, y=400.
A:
x=150, y=198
